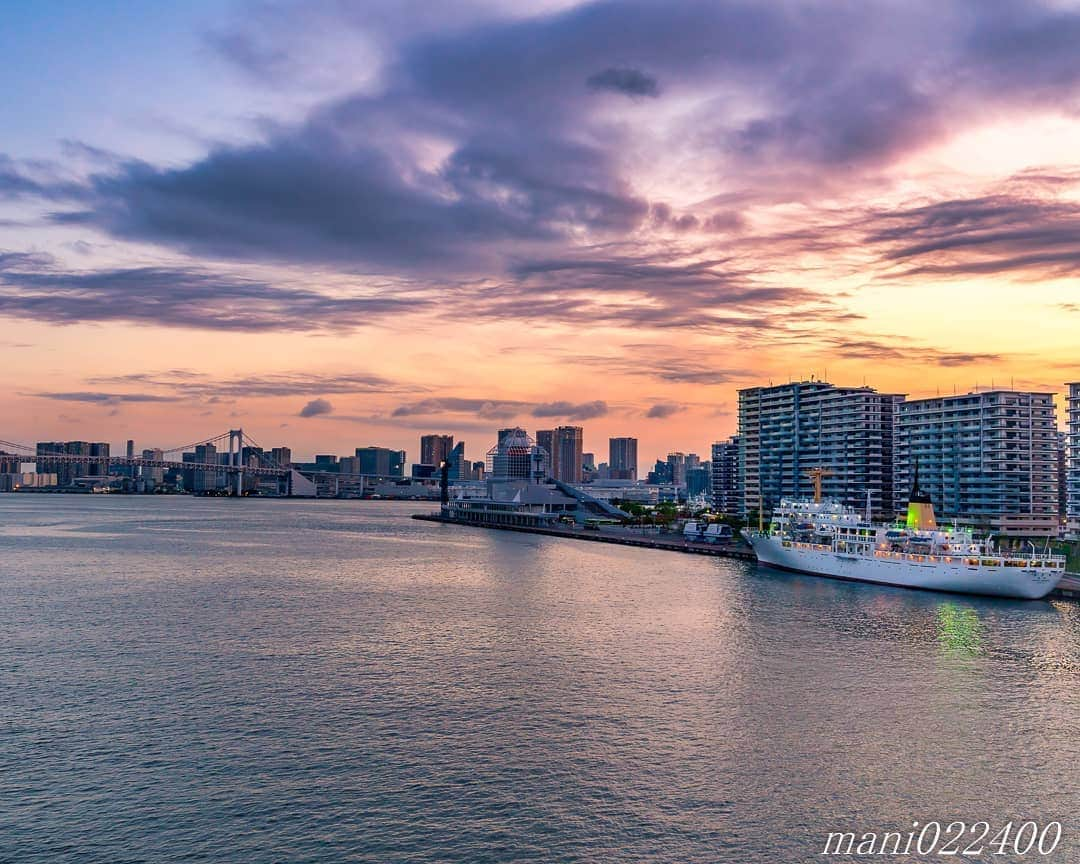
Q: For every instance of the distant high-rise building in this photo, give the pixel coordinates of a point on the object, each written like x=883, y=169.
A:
x=622, y=458
x=725, y=476
x=661, y=473
x=787, y=429
x=677, y=463
x=987, y=459
x=207, y=479
x=326, y=462
x=460, y=467
x=515, y=457
x=1073, y=479
x=96, y=462
x=99, y=452
x=381, y=461
x=153, y=476
x=545, y=440
x=697, y=480
x=250, y=456
x=435, y=448
x=130, y=449
x=348, y=465
x=281, y=456
x=567, y=443
x=692, y=461
x=62, y=470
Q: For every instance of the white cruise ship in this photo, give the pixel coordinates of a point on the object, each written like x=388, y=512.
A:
x=827, y=539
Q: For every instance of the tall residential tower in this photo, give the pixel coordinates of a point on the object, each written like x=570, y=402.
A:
x=622, y=458
x=567, y=444
x=1073, y=470
x=789, y=429
x=987, y=460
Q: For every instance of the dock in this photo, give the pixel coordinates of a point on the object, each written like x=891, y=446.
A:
x=619, y=536
x=1069, y=589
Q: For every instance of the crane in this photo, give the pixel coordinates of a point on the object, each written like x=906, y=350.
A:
x=817, y=474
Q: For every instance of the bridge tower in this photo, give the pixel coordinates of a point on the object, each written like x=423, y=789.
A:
x=236, y=459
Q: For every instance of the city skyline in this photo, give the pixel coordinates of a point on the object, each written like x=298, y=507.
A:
x=336, y=228
x=483, y=438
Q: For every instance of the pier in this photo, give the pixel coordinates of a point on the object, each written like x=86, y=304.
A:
x=618, y=535
x=1069, y=589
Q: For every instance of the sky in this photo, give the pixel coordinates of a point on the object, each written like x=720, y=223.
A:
x=338, y=224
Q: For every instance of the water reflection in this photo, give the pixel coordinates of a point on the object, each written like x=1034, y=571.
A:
x=959, y=629
x=355, y=684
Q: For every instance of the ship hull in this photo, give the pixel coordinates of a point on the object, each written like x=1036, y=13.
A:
x=959, y=578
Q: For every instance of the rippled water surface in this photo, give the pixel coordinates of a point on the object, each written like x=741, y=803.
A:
x=256, y=681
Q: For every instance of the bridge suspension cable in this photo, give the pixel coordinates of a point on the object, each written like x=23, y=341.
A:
x=195, y=444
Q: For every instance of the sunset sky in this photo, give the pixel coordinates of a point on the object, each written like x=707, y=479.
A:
x=338, y=224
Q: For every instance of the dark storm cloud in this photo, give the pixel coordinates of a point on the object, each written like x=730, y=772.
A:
x=316, y=408
x=631, y=82
x=33, y=287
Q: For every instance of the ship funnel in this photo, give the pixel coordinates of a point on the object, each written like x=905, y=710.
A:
x=920, y=509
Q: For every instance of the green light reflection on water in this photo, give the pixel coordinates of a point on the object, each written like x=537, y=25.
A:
x=959, y=628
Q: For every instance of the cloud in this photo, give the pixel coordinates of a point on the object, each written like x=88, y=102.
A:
x=97, y=397
x=24, y=179
x=661, y=410
x=570, y=410
x=441, y=165
x=661, y=362
x=489, y=409
x=473, y=160
x=903, y=350
x=631, y=82
x=999, y=233
x=33, y=287
x=316, y=408
x=196, y=385
x=501, y=409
